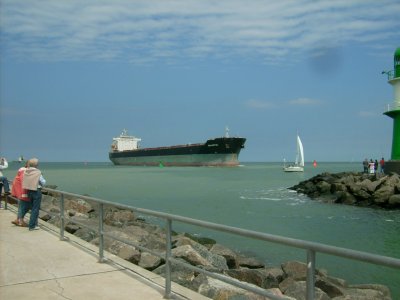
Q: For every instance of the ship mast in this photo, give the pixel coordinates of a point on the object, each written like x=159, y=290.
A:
x=226, y=131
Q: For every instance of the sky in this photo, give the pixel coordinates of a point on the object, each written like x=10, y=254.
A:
x=74, y=74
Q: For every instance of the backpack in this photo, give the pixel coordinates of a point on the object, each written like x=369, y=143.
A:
x=17, y=190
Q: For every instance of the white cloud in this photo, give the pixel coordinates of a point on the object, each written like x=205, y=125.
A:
x=304, y=101
x=134, y=30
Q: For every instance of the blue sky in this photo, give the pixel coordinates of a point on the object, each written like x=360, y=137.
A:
x=73, y=74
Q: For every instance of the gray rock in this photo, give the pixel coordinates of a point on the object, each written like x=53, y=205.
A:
x=86, y=234
x=384, y=290
x=179, y=274
x=330, y=287
x=298, y=289
x=216, y=289
x=369, y=186
x=149, y=261
x=230, y=255
x=394, y=200
x=383, y=194
x=217, y=261
x=272, y=277
x=129, y=253
x=323, y=187
x=190, y=255
x=71, y=228
x=119, y=217
x=345, y=198
x=294, y=269
x=338, y=187
x=265, y=278
x=78, y=205
x=250, y=262
x=363, y=294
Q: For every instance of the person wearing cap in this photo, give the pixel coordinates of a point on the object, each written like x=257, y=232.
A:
x=3, y=179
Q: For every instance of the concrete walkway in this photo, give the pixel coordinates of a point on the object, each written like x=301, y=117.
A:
x=37, y=265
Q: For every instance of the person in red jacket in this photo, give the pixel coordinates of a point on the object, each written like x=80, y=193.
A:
x=23, y=201
x=382, y=163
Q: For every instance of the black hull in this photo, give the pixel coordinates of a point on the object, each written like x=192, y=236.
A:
x=215, y=152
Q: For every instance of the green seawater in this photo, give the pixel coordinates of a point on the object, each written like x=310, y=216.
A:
x=253, y=196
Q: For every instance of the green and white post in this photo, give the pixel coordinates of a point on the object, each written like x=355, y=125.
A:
x=393, y=111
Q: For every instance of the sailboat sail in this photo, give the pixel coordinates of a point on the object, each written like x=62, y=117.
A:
x=300, y=152
x=299, y=163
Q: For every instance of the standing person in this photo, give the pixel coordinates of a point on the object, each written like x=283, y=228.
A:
x=22, y=196
x=365, y=165
x=382, y=163
x=3, y=179
x=371, y=166
x=33, y=182
x=376, y=166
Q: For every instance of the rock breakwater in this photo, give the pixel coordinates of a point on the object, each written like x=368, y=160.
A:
x=360, y=189
x=287, y=280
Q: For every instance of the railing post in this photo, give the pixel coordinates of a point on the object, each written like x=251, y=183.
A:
x=62, y=218
x=167, y=261
x=101, y=236
x=310, y=274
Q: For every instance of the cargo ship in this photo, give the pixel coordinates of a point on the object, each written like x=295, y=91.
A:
x=222, y=151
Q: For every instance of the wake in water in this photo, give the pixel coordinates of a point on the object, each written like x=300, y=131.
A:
x=278, y=194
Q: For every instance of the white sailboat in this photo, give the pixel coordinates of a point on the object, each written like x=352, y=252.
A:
x=299, y=163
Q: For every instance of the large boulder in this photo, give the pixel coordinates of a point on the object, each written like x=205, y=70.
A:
x=394, y=200
x=323, y=187
x=382, y=195
x=190, y=255
x=149, y=261
x=298, y=290
x=370, y=186
x=345, y=198
x=216, y=289
x=179, y=274
x=250, y=262
x=266, y=278
x=119, y=217
x=130, y=254
x=333, y=288
x=78, y=205
x=295, y=270
x=366, y=292
x=359, y=191
x=198, y=255
x=230, y=256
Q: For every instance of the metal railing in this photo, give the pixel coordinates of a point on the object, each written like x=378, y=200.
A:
x=392, y=106
x=311, y=248
x=390, y=74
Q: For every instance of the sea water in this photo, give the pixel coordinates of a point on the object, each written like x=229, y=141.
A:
x=252, y=196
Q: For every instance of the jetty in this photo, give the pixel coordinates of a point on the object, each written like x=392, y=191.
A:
x=38, y=265
x=352, y=188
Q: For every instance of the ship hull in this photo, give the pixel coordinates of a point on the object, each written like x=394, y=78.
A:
x=215, y=152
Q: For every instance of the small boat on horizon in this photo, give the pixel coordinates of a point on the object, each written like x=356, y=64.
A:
x=298, y=166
